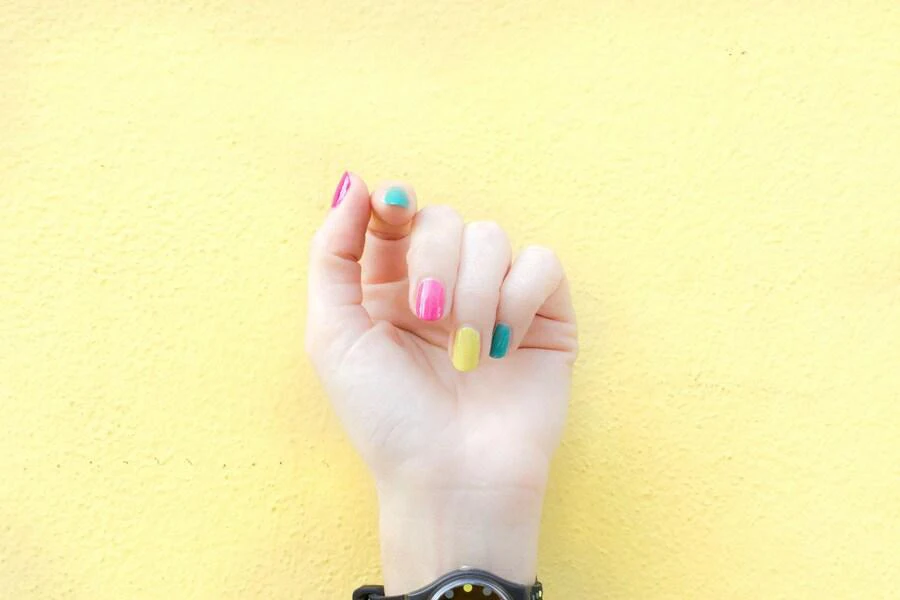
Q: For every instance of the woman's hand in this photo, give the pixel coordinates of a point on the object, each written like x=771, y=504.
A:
x=401, y=335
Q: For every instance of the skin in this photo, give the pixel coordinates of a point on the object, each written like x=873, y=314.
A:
x=460, y=460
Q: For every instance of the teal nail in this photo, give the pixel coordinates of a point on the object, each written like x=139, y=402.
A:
x=396, y=197
x=500, y=340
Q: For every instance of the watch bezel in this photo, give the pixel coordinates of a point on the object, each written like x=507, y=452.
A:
x=501, y=589
x=497, y=592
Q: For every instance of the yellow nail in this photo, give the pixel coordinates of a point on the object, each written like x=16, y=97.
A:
x=466, y=349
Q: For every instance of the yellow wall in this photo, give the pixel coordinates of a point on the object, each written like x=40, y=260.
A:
x=721, y=178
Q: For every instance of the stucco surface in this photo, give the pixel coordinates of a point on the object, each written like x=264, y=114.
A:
x=720, y=178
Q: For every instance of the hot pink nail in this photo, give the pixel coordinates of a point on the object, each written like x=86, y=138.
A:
x=341, y=190
x=430, y=300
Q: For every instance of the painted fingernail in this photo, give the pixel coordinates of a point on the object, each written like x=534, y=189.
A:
x=500, y=340
x=466, y=349
x=430, y=300
x=341, y=191
x=396, y=197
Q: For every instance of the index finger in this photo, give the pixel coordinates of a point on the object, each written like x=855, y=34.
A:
x=387, y=239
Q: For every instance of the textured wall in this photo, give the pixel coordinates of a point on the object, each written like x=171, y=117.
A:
x=721, y=178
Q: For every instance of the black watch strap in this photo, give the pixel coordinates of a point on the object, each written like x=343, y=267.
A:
x=376, y=592
x=371, y=592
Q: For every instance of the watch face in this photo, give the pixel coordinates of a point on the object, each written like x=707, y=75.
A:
x=468, y=588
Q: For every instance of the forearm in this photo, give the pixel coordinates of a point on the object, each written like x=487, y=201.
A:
x=427, y=533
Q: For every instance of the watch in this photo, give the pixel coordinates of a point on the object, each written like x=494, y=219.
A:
x=463, y=583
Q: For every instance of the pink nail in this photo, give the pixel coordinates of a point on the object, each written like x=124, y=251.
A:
x=341, y=190
x=430, y=300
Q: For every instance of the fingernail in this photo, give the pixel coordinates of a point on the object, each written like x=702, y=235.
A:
x=396, y=197
x=341, y=191
x=430, y=300
x=500, y=340
x=466, y=349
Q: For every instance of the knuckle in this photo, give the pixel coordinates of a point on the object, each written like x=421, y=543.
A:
x=486, y=230
x=544, y=255
x=441, y=213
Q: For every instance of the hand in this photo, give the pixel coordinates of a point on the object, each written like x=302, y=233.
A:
x=401, y=334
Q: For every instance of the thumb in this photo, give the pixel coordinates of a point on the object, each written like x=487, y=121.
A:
x=336, y=317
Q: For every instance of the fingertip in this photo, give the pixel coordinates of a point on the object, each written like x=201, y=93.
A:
x=343, y=231
x=430, y=300
x=350, y=187
x=394, y=205
x=396, y=196
x=500, y=340
x=350, y=202
x=340, y=192
x=466, y=349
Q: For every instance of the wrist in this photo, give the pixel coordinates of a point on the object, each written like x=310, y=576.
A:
x=427, y=532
